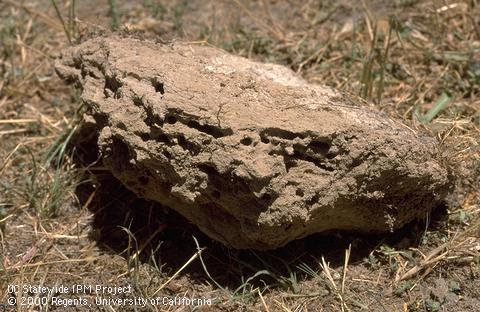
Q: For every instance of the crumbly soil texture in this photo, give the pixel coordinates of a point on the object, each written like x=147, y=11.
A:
x=182, y=163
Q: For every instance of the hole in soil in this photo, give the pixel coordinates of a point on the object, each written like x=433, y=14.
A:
x=112, y=84
x=167, y=154
x=289, y=163
x=319, y=147
x=145, y=137
x=280, y=133
x=246, y=141
x=159, y=87
x=157, y=135
x=122, y=125
x=299, y=192
x=313, y=200
x=187, y=145
x=315, y=161
x=267, y=197
x=152, y=118
x=216, y=132
x=137, y=100
x=331, y=155
x=171, y=119
x=162, y=137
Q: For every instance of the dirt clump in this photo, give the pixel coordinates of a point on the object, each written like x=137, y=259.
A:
x=252, y=154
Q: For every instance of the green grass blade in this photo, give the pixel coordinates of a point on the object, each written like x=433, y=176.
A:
x=440, y=105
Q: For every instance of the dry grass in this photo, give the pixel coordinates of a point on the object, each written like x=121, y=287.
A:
x=416, y=61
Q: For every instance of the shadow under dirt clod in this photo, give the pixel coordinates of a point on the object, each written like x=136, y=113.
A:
x=162, y=234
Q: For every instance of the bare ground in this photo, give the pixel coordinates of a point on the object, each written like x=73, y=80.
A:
x=418, y=61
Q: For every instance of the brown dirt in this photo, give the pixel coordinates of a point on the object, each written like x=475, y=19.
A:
x=55, y=230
